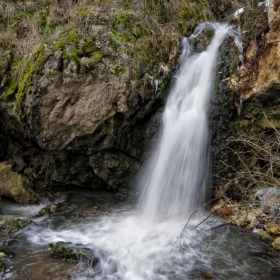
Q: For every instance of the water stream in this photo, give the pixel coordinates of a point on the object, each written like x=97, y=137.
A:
x=146, y=243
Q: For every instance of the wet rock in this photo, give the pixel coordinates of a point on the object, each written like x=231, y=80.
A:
x=48, y=210
x=72, y=254
x=222, y=114
x=276, y=243
x=114, y=168
x=16, y=186
x=10, y=226
x=2, y=266
x=263, y=234
x=53, y=208
x=272, y=228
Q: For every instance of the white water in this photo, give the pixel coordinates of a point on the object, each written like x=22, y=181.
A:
x=175, y=178
x=144, y=244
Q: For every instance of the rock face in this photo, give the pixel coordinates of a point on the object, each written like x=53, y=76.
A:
x=262, y=58
x=16, y=186
x=79, y=108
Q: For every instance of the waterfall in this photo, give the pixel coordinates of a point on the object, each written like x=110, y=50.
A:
x=138, y=245
x=174, y=178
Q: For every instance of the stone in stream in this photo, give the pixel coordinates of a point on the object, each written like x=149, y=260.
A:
x=2, y=266
x=272, y=228
x=48, y=210
x=10, y=226
x=72, y=254
x=276, y=243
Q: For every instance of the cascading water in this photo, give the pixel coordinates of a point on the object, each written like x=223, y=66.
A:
x=174, y=179
x=144, y=244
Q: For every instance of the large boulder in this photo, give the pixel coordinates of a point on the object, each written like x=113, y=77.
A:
x=16, y=186
x=83, y=100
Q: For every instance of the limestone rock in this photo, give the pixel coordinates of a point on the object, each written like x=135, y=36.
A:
x=262, y=65
x=16, y=186
x=274, y=15
x=269, y=200
x=272, y=228
x=276, y=243
x=10, y=226
x=263, y=234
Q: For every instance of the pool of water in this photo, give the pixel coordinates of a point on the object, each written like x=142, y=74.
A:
x=130, y=247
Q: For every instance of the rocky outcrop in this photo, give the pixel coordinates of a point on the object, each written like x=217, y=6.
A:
x=248, y=156
x=16, y=186
x=250, y=127
x=77, y=108
x=261, y=57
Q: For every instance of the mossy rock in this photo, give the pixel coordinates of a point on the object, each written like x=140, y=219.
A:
x=10, y=226
x=72, y=254
x=16, y=186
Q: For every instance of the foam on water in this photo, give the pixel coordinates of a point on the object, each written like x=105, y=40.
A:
x=129, y=248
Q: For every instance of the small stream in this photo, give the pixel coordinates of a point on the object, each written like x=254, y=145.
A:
x=129, y=247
